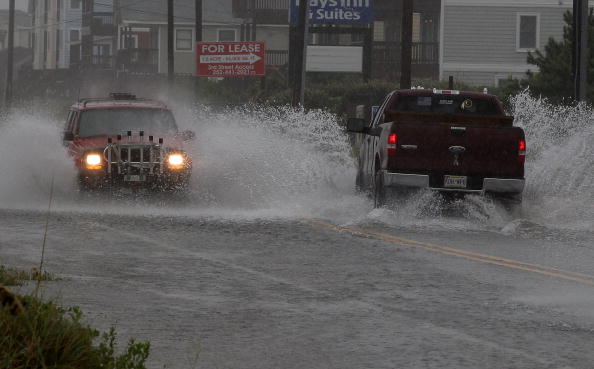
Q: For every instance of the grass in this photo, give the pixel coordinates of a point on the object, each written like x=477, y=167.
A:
x=44, y=335
x=16, y=277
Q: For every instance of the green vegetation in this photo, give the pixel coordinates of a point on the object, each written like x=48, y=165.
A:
x=15, y=277
x=37, y=334
x=554, y=80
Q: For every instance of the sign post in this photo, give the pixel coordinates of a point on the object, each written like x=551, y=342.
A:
x=231, y=59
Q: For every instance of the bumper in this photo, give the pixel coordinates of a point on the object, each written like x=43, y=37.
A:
x=166, y=181
x=491, y=185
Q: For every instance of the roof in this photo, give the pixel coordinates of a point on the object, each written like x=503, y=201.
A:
x=155, y=11
x=421, y=91
x=122, y=101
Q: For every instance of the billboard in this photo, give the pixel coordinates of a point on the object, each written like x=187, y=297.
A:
x=344, y=59
x=336, y=11
x=231, y=59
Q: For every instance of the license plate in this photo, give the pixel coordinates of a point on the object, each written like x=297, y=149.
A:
x=455, y=181
x=134, y=178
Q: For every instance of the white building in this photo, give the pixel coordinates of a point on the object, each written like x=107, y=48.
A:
x=22, y=29
x=485, y=42
x=58, y=30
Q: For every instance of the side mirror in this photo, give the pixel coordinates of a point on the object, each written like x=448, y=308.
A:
x=357, y=125
x=188, y=135
x=68, y=136
x=374, y=110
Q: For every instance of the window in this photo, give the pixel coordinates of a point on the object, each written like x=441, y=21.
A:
x=379, y=32
x=74, y=36
x=527, y=37
x=183, y=39
x=416, y=32
x=75, y=4
x=100, y=122
x=227, y=35
x=445, y=104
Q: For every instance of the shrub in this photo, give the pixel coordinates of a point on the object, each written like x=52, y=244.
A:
x=15, y=277
x=45, y=335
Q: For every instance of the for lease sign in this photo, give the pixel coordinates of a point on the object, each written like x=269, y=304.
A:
x=336, y=11
x=231, y=59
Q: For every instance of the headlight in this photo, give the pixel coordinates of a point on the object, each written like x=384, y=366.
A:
x=93, y=161
x=176, y=161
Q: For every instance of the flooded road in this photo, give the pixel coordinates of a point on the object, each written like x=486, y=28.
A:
x=266, y=293
x=274, y=261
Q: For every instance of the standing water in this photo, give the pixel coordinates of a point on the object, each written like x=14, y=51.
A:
x=281, y=163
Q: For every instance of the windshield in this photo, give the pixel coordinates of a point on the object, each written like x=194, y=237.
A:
x=446, y=104
x=106, y=122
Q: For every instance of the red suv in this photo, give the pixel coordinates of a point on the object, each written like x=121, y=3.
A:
x=125, y=141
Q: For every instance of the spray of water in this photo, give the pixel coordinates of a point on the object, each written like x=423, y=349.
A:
x=560, y=174
x=278, y=162
x=30, y=153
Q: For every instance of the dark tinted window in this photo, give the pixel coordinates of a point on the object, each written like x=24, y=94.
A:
x=528, y=29
x=446, y=104
x=101, y=122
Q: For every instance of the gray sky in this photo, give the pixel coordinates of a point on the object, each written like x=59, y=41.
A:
x=20, y=4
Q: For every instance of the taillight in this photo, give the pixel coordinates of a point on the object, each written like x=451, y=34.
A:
x=392, y=143
x=522, y=151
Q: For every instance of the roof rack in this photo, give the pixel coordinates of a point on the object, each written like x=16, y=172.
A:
x=121, y=96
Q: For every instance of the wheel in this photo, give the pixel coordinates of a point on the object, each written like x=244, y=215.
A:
x=511, y=203
x=359, y=181
x=379, y=191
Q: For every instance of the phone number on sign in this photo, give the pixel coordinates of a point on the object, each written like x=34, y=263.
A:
x=229, y=70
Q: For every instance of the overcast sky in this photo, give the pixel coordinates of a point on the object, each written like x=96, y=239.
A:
x=20, y=4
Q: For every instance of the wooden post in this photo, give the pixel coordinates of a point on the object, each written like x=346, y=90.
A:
x=170, y=46
x=406, y=59
x=581, y=51
x=199, y=15
x=300, y=47
x=87, y=34
x=10, y=56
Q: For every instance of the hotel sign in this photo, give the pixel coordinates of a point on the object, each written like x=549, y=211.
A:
x=336, y=11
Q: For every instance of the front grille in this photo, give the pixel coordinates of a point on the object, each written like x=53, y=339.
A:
x=135, y=155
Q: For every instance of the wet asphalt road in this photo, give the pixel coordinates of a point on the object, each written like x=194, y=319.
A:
x=215, y=293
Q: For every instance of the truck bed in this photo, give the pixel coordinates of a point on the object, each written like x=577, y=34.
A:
x=476, y=148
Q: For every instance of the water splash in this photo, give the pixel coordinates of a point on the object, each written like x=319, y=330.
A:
x=278, y=162
x=560, y=162
x=31, y=152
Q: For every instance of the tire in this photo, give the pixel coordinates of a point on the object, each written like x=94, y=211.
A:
x=359, y=182
x=511, y=203
x=379, y=191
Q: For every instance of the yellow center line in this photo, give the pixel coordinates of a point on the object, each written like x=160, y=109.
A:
x=469, y=255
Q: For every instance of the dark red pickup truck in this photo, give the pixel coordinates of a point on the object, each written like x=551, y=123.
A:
x=450, y=141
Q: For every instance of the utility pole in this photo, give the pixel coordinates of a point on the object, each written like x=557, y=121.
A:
x=170, y=49
x=253, y=19
x=10, y=57
x=198, y=6
x=199, y=15
x=87, y=33
x=300, y=47
x=581, y=53
x=406, y=53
